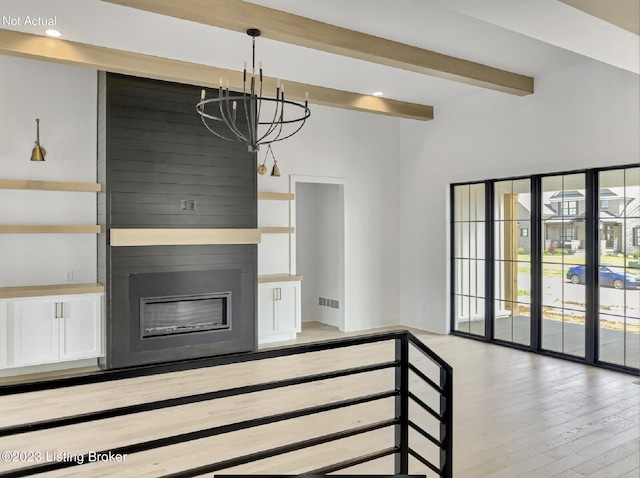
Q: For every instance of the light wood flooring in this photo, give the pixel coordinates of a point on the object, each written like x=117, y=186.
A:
x=516, y=414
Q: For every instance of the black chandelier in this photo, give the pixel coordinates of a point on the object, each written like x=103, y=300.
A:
x=267, y=119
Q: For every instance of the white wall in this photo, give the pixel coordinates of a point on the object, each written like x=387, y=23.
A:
x=64, y=98
x=583, y=116
x=357, y=146
x=363, y=149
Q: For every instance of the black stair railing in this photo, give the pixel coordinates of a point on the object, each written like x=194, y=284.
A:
x=438, y=380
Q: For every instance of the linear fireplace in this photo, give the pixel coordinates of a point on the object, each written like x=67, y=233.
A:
x=180, y=315
x=185, y=314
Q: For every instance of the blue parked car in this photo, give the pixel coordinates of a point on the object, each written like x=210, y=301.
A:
x=608, y=277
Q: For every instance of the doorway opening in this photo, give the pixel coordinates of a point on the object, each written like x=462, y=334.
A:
x=317, y=251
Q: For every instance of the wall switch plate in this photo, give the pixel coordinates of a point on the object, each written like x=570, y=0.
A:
x=68, y=276
x=191, y=203
x=183, y=204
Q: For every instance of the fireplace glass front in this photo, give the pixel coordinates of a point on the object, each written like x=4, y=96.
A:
x=161, y=316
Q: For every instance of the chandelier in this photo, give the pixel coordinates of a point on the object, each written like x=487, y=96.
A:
x=249, y=117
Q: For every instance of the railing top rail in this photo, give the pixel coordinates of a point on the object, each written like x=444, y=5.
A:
x=146, y=370
x=428, y=352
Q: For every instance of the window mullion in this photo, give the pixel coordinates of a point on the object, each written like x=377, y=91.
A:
x=536, y=262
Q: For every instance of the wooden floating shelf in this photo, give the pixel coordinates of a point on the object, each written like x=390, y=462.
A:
x=39, y=229
x=52, y=289
x=183, y=237
x=49, y=185
x=277, y=230
x=276, y=196
x=263, y=279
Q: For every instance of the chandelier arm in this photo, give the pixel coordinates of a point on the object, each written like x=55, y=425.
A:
x=254, y=103
x=307, y=112
x=270, y=133
x=200, y=109
x=223, y=107
x=216, y=133
x=248, y=120
x=282, y=121
x=225, y=114
x=277, y=121
x=252, y=122
x=303, y=121
x=229, y=116
x=248, y=111
x=274, y=124
x=259, y=103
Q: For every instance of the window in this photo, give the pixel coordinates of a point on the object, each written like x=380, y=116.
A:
x=524, y=232
x=636, y=236
x=570, y=208
x=604, y=204
x=568, y=234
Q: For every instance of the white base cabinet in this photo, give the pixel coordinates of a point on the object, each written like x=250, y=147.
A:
x=44, y=330
x=279, y=311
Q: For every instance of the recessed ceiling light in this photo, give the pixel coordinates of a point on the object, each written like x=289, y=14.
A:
x=53, y=33
x=378, y=93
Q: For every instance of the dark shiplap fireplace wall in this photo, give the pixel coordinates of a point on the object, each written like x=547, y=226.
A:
x=153, y=154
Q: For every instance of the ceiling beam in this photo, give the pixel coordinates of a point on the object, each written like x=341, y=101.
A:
x=277, y=25
x=621, y=13
x=37, y=47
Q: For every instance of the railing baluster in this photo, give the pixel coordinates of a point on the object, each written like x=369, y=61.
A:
x=402, y=406
x=446, y=426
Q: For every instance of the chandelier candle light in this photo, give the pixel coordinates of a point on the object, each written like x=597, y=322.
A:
x=267, y=119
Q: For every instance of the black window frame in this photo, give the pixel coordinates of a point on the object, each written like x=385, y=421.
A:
x=590, y=243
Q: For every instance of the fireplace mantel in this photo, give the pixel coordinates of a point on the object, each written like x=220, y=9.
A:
x=182, y=237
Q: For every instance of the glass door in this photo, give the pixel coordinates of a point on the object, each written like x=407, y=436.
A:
x=469, y=258
x=551, y=263
x=619, y=267
x=563, y=206
x=512, y=261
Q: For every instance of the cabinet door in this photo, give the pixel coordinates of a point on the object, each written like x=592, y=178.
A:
x=288, y=307
x=80, y=327
x=266, y=309
x=35, y=331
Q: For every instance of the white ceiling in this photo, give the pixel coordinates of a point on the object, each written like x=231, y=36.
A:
x=530, y=37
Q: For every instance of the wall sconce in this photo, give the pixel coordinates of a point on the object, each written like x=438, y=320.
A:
x=38, y=152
